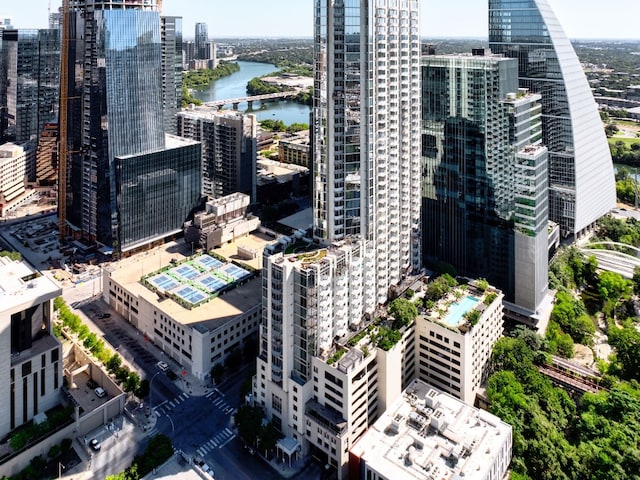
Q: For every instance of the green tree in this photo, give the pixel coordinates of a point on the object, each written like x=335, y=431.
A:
x=403, y=311
x=626, y=342
x=268, y=438
x=249, y=423
x=114, y=363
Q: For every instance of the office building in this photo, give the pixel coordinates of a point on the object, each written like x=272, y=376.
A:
x=454, y=340
x=295, y=149
x=228, y=149
x=427, y=434
x=171, y=35
x=485, y=198
x=201, y=41
x=29, y=82
x=579, y=159
x=122, y=170
x=5, y=23
x=31, y=366
x=365, y=128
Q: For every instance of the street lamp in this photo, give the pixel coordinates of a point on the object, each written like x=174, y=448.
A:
x=60, y=468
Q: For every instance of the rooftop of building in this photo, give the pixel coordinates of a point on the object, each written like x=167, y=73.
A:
x=21, y=284
x=173, y=141
x=428, y=434
x=154, y=267
x=461, y=306
x=11, y=150
x=272, y=169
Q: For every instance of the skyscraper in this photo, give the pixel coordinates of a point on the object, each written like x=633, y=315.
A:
x=366, y=135
x=485, y=183
x=115, y=121
x=171, y=36
x=579, y=159
x=29, y=82
x=202, y=39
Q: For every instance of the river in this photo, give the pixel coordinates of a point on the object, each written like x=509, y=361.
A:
x=235, y=86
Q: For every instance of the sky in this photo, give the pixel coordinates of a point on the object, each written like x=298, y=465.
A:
x=293, y=18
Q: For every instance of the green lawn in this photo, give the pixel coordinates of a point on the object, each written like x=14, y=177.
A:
x=627, y=141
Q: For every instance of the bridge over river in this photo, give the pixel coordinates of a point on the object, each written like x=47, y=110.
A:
x=250, y=99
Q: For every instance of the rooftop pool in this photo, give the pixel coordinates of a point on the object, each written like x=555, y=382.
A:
x=458, y=309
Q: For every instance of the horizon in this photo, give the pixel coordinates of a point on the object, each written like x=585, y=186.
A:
x=580, y=19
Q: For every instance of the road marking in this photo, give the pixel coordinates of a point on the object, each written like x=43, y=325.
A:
x=158, y=406
x=171, y=404
x=218, y=402
x=208, y=395
x=200, y=452
x=228, y=440
x=186, y=395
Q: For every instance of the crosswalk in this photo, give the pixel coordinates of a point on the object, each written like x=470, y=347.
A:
x=218, y=441
x=169, y=405
x=218, y=401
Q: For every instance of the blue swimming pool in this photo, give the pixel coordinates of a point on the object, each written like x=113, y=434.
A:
x=458, y=309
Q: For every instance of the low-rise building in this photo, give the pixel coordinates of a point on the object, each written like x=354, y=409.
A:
x=426, y=434
x=14, y=173
x=30, y=355
x=198, y=309
x=455, y=339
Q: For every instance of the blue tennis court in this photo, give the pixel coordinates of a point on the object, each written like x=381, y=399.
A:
x=234, y=271
x=211, y=283
x=190, y=294
x=185, y=271
x=207, y=262
x=163, y=282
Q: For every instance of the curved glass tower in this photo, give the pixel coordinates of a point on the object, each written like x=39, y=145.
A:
x=581, y=178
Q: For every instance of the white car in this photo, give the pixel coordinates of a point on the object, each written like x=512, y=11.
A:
x=163, y=366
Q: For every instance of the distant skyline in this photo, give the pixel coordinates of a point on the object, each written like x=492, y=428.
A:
x=293, y=18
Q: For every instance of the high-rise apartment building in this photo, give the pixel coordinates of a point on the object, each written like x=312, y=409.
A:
x=122, y=171
x=228, y=149
x=366, y=135
x=579, y=159
x=29, y=82
x=484, y=175
x=201, y=41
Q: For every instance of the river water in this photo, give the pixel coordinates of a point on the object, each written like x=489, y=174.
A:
x=235, y=86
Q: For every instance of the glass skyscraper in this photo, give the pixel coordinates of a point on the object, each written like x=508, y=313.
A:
x=115, y=111
x=202, y=39
x=484, y=175
x=581, y=179
x=29, y=82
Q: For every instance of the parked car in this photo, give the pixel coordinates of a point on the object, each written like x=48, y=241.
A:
x=91, y=384
x=95, y=445
x=100, y=392
x=171, y=374
x=105, y=315
x=162, y=366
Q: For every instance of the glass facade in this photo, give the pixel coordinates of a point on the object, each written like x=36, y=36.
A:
x=119, y=83
x=202, y=38
x=29, y=82
x=579, y=158
x=171, y=32
x=147, y=183
x=474, y=185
